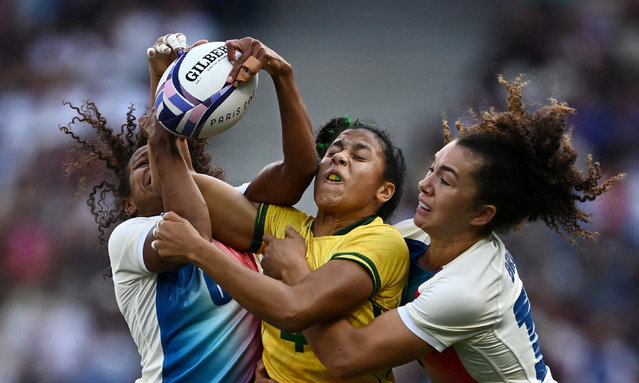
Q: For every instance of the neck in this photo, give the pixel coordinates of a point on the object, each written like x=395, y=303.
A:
x=441, y=252
x=327, y=224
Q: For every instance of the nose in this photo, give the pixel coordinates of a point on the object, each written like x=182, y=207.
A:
x=425, y=185
x=339, y=158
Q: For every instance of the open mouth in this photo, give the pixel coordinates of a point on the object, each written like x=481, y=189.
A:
x=334, y=178
x=425, y=207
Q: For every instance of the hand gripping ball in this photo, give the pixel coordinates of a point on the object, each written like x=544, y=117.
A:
x=193, y=99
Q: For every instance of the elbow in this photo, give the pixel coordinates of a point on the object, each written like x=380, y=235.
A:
x=292, y=321
x=291, y=317
x=342, y=366
x=343, y=374
x=312, y=165
x=302, y=169
x=340, y=373
x=344, y=355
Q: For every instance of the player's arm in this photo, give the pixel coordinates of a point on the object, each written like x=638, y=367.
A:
x=216, y=193
x=232, y=214
x=179, y=191
x=329, y=292
x=281, y=182
x=348, y=352
x=232, y=211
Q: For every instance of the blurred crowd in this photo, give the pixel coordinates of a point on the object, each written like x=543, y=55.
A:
x=585, y=299
x=58, y=318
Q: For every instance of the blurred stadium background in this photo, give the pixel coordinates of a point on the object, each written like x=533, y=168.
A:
x=403, y=64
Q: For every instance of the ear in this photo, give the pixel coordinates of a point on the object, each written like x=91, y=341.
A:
x=129, y=207
x=385, y=192
x=484, y=215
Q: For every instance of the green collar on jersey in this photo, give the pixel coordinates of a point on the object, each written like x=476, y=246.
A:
x=347, y=229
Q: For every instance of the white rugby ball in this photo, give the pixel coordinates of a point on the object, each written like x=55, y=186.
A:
x=193, y=99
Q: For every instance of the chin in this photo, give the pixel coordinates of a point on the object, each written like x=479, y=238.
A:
x=419, y=222
x=326, y=198
x=325, y=203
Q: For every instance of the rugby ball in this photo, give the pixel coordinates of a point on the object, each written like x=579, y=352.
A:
x=193, y=99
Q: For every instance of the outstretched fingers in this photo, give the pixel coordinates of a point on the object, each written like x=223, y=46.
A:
x=167, y=44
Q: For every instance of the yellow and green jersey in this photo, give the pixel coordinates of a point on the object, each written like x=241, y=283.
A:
x=378, y=248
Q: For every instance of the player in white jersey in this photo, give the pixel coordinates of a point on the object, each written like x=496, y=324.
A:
x=491, y=319
x=509, y=168
x=186, y=327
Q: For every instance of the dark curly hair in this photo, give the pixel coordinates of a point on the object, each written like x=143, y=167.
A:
x=100, y=162
x=395, y=164
x=528, y=169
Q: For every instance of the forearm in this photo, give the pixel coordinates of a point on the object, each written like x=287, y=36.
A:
x=154, y=81
x=298, y=143
x=333, y=345
x=320, y=296
x=179, y=191
x=183, y=148
x=292, y=175
x=265, y=297
x=329, y=292
x=347, y=351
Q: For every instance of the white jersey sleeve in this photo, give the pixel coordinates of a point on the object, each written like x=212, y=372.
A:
x=453, y=306
x=126, y=245
x=477, y=304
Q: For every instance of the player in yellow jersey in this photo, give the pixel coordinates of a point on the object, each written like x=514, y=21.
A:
x=369, y=243
x=359, y=263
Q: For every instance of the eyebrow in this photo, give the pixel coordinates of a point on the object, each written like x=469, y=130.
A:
x=139, y=156
x=360, y=146
x=356, y=146
x=447, y=168
x=338, y=142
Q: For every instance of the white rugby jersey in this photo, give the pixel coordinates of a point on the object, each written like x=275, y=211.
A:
x=186, y=327
x=477, y=305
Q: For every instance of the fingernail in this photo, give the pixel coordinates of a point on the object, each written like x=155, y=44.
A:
x=229, y=79
x=162, y=214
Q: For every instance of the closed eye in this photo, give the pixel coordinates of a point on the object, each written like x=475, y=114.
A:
x=431, y=170
x=141, y=164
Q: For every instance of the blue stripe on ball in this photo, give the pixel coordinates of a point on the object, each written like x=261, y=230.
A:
x=167, y=115
x=158, y=98
x=178, y=87
x=173, y=124
x=180, y=103
x=189, y=126
x=216, y=100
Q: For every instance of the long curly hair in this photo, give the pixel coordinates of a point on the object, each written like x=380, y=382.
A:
x=528, y=169
x=99, y=162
